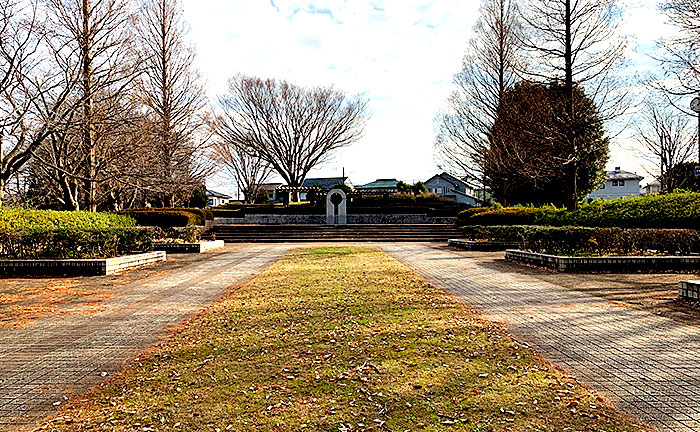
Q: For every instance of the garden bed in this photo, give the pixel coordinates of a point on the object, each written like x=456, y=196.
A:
x=482, y=245
x=196, y=247
x=78, y=267
x=608, y=264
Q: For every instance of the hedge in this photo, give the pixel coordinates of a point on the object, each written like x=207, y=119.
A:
x=592, y=241
x=188, y=234
x=507, y=216
x=676, y=210
x=71, y=243
x=169, y=217
x=23, y=219
x=464, y=215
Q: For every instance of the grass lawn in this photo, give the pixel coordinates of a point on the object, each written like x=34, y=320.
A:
x=340, y=339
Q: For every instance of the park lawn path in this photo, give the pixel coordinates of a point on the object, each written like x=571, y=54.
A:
x=340, y=339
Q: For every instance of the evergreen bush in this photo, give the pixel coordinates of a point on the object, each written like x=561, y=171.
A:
x=73, y=243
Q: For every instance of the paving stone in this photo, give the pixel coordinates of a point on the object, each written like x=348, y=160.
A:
x=646, y=364
x=60, y=356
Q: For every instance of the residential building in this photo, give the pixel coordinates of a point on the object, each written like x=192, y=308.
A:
x=326, y=183
x=451, y=187
x=271, y=189
x=388, y=185
x=652, y=188
x=215, y=199
x=618, y=184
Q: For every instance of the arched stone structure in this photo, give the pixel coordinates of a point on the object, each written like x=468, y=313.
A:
x=336, y=207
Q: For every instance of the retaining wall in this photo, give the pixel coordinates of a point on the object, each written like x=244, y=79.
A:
x=275, y=219
x=78, y=267
x=481, y=246
x=189, y=247
x=689, y=290
x=610, y=264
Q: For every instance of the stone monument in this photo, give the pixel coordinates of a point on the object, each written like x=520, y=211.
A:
x=336, y=208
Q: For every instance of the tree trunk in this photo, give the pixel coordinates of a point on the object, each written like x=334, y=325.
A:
x=88, y=111
x=572, y=198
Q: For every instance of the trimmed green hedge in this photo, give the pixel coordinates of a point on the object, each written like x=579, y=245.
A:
x=22, y=219
x=507, y=216
x=591, y=241
x=676, y=210
x=169, y=217
x=71, y=243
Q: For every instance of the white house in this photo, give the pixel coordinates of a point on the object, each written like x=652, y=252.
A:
x=449, y=186
x=652, y=188
x=215, y=199
x=619, y=184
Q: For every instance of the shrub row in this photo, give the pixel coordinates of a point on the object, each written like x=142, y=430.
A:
x=71, y=243
x=169, y=217
x=23, y=219
x=188, y=234
x=591, y=241
x=676, y=210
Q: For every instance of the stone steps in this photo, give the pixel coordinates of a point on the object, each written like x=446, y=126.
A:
x=295, y=233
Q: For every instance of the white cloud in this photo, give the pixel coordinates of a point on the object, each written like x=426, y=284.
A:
x=401, y=54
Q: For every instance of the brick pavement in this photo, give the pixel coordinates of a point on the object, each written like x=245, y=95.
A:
x=43, y=364
x=647, y=365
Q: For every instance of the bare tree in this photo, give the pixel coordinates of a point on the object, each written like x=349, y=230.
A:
x=171, y=90
x=668, y=140
x=245, y=168
x=490, y=66
x=92, y=40
x=58, y=170
x=32, y=104
x=293, y=128
x=680, y=60
x=577, y=43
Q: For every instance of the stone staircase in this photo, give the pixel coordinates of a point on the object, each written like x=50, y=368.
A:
x=336, y=233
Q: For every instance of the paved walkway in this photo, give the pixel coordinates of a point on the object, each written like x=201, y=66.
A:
x=646, y=365
x=41, y=365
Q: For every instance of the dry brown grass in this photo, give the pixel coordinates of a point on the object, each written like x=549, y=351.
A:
x=341, y=339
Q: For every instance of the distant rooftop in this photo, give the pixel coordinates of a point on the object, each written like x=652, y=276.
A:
x=380, y=184
x=618, y=174
x=215, y=194
x=269, y=186
x=324, y=182
x=451, y=179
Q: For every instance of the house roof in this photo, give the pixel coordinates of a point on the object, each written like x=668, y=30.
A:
x=324, y=182
x=450, y=179
x=618, y=174
x=380, y=184
x=269, y=186
x=214, y=194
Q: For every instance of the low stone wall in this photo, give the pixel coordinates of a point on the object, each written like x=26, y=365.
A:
x=481, y=246
x=689, y=290
x=189, y=247
x=276, y=219
x=611, y=264
x=78, y=267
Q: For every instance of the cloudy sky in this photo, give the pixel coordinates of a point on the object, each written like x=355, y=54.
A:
x=401, y=54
